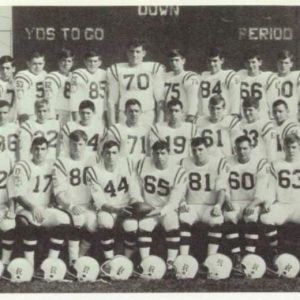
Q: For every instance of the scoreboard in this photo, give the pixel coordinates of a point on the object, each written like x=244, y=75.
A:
x=191, y=28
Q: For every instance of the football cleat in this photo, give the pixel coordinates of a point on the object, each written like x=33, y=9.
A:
x=54, y=269
x=186, y=267
x=219, y=266
x=20, y=270
x=152, y=268
x=254, y=266
x=87, y=269
x=287, y=265
x=118, y=268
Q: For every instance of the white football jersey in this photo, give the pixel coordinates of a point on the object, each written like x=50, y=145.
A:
x=7, y=93
x=6, y=180
x=9, y=137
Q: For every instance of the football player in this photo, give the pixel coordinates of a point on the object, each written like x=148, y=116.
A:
x=205, y=195
x=182, y=85
x=163, y=186
x=33, y=191
x=133, y=135
x=218, y=128
x=113, y=187
x=219, y=81
x=257, y=84
x=29, y=85
x=7, y=91
x=288, y=82
x=89, y=83
x=58, y=87
x=176, y=132
x=41, y=126
x=135, y=79
x=248, y=186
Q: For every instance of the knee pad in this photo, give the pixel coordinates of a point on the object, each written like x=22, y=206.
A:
x=91, y=224
x=105, y=220
x=188, y=217
x=130, y=225
x=170, y=221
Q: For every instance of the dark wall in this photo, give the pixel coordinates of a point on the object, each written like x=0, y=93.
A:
x=192, y=28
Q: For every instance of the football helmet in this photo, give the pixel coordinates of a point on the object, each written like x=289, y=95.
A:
x=287, y=265
x=118, y=268
x=152, y=268
x=254, y=266
x=87, y=269
x=219, y=266
x=54, y=269
x=186, y=267
x=20, y=270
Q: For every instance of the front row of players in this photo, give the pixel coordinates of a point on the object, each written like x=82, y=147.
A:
x=82, y=199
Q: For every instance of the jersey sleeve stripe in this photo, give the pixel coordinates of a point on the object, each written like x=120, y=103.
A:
x=271, y=79
x=267, y=131
x=25, y=126
x=80, y=74
x=63, y=168
x=183, y=173
x=298, y=79
x=272, y=170
x=177, y=174
x=113, y=70
x=115, y=131
x=229, y=77
x=181, y=162
x=140, y=166
x=221, y=162
x=129, y=166
x=26, y=168
x=25, y=78
x=92, y=173
x=266, y=127
x=55, y=78
x=287, y=129
x=153, y=69
x=155, y=131
x=262, y=163
x=66, y=130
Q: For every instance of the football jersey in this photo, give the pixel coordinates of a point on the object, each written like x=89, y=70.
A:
x=288, y=89
x=161, y=187
x=248, y=180
x=133, y=140
x=34, y=182
x=69, y=177
x=184, y=87
x=57, y=91
x=204, y=182
x=261, y=87
x=143, y=82
x=219, y=135
x=6, y=182
x=29, y=88
x=9, y=137
x=224, y=82
x=88, y=86
x=7, y=93
x=115, y=188
x=179, y=139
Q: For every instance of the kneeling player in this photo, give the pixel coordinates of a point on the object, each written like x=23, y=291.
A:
x=207, y=182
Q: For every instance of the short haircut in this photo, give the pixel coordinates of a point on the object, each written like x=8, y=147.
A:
x=109, y=144
x=283, y=54
x=39, y=141
x=137, y=42
x=35, y=54
x=40, y=103
x=4, y=103
x=176, y=53
x=252, y=53
x=216, y=99
x=132, y=101
x=65, y=53
x=173, y=103
x=251, y=102
x=198, y=141
x=291, y=139
x=214, y=52
x=87, y=104
x=92, y=53
x=160, y=145
x=280, y=102
x=78, y=135
x=241, y=139
x=7, y=59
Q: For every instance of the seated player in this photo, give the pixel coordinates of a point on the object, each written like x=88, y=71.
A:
x=58, y=86
x=248, y=186
x=74, y=196
x=114, y=186
x=90, y=124
x=163, y=185
x=218, y=129
x=176, y=132
x=182, y=85
x=41, y=126
x=33, y=192
x=205, y=195
x=133, y=135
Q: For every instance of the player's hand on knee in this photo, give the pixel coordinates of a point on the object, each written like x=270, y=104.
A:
x=10, y=215
x=76, y=210
x=249, y=210
x=265, y=208
x=37, y=214
x=183, y=208
x=228, y=206
x=216, y=211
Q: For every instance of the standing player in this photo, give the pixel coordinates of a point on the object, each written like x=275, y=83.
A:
x=89, y=84
x=133, y=135
x=7, y=92
x=182, y=85
x=114, y=186
x=29, y=86
x=58, y=87
x=135, y=79
x=175, y=132
x=205, y=195
x=257, y=84
x=218, y=128
x=219, y=81
x=163, y=186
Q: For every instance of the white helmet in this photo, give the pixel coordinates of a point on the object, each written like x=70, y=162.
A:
x=20, y=270
x=87, y=268
x=54, y=269
x=219, y=266
x=152, y=267
x=118, y=268
x=254, y=266
x=186, y=267
x=287, y=265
